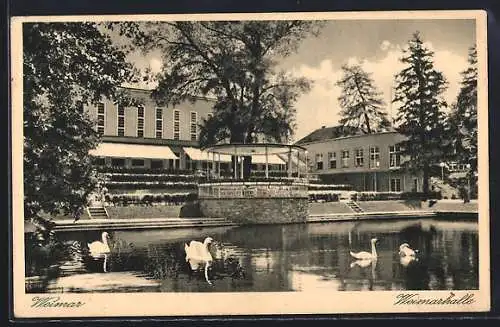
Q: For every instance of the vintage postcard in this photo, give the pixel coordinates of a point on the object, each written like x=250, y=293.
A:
x=250, y=164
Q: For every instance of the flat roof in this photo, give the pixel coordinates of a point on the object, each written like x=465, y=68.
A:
x=348, y=137
x=252, y=149
x=336, y=132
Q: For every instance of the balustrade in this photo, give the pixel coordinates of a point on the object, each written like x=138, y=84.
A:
x=269, y=190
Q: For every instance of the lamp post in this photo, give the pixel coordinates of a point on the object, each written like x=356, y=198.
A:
x=442, y=170
x=468, y=181
x=307, y=167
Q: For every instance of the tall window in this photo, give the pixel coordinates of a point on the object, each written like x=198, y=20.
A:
x=101, y=118
x=395, y=184
x=332, y=160
x=194, y=126
x=345, y=158
x=177, y=126
x=374, y=157
x=394, y=156
x=140, y=121
x=118, y=162
x=319, y=161
x=138, y=162
x=156, y=164
x=159, y=123
x=121, y=120
x=359, y=158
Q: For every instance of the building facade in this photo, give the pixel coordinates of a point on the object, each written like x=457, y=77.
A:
x=368, y=162
x=158, y=137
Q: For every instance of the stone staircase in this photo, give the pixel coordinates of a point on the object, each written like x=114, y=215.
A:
x=354, y=206
x=97, y=213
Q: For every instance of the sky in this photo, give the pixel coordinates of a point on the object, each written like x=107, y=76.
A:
x=376, y=45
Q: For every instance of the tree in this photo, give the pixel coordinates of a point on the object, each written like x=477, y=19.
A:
x=235, y=63
x=419, y=88
x=361, y=103
x=66, y=66
x=463, y=116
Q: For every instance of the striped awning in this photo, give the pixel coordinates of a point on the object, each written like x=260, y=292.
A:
x=199, y=155
x=124, y=150
x=271, y=160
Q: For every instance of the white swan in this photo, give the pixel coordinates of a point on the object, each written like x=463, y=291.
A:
x=405, y=261
x=363, y=255
x=197, y=254
x=361, y=263
x=98, y=248
x=406, y=251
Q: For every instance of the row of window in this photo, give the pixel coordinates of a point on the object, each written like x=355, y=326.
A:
x=359, y=159
x=193, y=123
x=155, y=164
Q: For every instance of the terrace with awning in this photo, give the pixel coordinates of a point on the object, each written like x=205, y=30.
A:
x=261, y=153
x=125, y=150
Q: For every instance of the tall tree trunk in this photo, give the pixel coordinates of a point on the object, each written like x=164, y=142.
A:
x=368, y=128
x=247, y=160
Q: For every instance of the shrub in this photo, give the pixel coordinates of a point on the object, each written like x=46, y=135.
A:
x=326, y=197
x=150, y=185
x=378, y=196
x=149, y=199
x=421, y=196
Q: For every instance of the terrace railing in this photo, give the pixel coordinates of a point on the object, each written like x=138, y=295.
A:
x=252, y=190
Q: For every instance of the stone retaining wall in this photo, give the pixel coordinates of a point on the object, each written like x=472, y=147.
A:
x=257, y=210
x=159, y=211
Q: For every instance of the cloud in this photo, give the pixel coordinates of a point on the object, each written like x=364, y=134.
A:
x=320, y=106
x=385, y=45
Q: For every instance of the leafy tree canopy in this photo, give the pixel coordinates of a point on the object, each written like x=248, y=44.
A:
x=235, y=63
x=65, y=67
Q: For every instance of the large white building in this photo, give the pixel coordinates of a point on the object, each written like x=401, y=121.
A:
x=158, y=137
x=368, y=162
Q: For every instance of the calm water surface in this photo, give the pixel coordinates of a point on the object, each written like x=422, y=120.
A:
x=273, y=258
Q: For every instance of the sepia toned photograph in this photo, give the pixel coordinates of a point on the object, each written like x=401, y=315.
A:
x=216, y=164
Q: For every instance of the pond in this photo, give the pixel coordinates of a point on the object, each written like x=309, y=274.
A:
x=268, y=258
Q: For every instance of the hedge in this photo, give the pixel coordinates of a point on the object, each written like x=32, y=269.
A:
x=150, y=185
x=384, y=196
x=150, y=177
x=330, y=197
x=338, y=187
x=150, y=199
x=144, y=170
